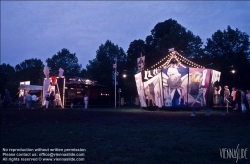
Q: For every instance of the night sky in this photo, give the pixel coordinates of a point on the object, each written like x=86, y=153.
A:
x=40, y=29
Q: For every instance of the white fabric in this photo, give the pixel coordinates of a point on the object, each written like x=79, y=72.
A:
x=60, y=72
x=215, y=76
x=46, y=71
x=140, y=90
x=204, y=74
x=34, y=97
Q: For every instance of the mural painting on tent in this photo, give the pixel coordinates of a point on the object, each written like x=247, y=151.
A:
x=149, y=87
x=198, y=89
x=175, y=84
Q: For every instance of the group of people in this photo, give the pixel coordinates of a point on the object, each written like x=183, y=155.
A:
x=237, y=98
x=52, y=100
x=28, y=99
x=82, y=104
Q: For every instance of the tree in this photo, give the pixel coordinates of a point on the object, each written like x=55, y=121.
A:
x=30, y=70
x=65, y=60
x=7, y=79
x=83, y=73
x=100, y=68
x=170, y=34
x=229, y=49
x=135, y=50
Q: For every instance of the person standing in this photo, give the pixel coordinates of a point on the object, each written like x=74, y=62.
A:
x=28, y=100
x=215, y=97
x=238, y=99
x=86, y=101
x=233, y=97
x=72, y=100
x=20, y=101
x=226, y=94
x=6, y=100
x=34, y=99
x=243, y=100
x=248, y=99
x=52, y=99
x=57, y=99
x=221, y=95
x=47, y=100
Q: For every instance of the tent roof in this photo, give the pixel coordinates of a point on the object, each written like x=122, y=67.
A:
x=177, y=59
x=31, y=87
x=82, y=80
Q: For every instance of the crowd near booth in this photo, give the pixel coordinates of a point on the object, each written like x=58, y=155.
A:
x=175, y=81
x=34, y=90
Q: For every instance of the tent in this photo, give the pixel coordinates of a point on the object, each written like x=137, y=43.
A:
x=30, y=87
x=176, y=81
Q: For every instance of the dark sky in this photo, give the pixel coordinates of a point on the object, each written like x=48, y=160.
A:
x=39, y=29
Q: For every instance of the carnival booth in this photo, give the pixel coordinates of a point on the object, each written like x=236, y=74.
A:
x=176, y=82
x=73, y=91
x=25, y=88
x=77, y=87
x=54, y=84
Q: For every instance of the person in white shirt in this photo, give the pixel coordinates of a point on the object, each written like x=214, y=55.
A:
x=47, y=99
x=86, y=101
x=57, y=99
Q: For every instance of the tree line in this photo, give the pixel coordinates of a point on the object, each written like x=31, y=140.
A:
x=224, y=51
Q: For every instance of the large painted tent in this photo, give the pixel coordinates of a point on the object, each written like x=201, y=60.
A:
x=176, y=82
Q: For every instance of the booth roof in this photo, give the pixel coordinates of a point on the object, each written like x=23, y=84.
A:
x=31, y=87
x=68, y=83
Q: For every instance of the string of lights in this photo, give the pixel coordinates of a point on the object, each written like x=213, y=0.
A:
x=182, y=61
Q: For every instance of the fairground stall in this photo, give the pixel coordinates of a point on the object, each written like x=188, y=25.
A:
x=73, y=91
x=54, y=84
x=176, y=81
x=68, y=92
x=77, y=87
x=25, y=88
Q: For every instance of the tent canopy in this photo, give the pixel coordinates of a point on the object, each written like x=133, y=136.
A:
x=176, y=59
x=31, y=87
x=176, y=81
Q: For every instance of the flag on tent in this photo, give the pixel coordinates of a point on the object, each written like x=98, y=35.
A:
x=140, y=63
x=171, y=49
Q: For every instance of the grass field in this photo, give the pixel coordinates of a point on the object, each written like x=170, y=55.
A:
x=129, y=135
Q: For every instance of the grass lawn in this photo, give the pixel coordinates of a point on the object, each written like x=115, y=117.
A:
x=129, y=135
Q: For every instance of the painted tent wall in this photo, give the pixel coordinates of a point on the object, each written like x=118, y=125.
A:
x=175, y=82
x=176, y=87
x=199, y=87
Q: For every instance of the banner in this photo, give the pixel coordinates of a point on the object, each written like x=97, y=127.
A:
x=115, y=72
x=140, y=90
x=141, y=63
x=171, y=49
